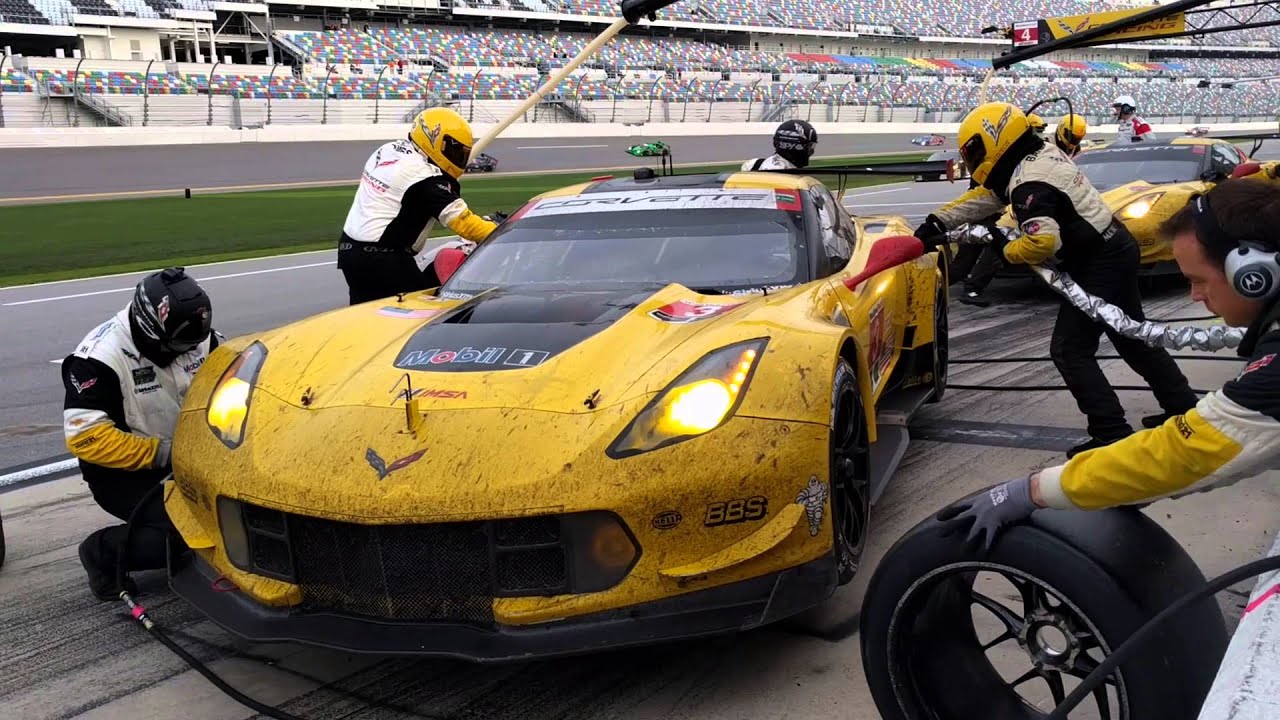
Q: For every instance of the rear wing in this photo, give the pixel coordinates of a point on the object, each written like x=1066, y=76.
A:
x=1257, y=138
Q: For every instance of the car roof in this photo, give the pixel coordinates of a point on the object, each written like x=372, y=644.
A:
x=724, y=180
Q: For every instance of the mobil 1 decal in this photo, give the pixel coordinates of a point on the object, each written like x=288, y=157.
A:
x=489, y=347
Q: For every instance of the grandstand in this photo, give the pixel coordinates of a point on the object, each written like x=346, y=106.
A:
x=206, y=62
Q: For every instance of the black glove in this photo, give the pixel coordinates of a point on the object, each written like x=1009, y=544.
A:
x=984, y=516
x=932, y=232
x=500, y=217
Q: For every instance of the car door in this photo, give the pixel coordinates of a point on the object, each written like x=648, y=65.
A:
x=835, y=230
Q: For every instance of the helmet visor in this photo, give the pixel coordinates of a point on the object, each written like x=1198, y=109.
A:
x=455, y=152
x=973, y=152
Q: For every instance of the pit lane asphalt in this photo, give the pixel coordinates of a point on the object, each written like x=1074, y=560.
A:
x=56, y=172
x=65, y=655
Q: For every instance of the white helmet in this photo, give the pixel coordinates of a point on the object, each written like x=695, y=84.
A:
x=1123, y=105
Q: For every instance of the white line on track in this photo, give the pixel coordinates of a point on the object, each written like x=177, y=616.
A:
x=556, y=147
x=900, y=187
x=131, y=288
x=137, y=272
x=896, y=204
x=35, y=472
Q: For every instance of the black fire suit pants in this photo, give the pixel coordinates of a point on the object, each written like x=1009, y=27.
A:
x=375, y=271
x=1112, y=274
x=119, y=494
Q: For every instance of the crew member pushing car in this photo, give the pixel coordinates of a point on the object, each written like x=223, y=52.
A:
x=1224, y=243
x=793, y=142
x=406, y=186
x=124, y=384
x=1063, y=218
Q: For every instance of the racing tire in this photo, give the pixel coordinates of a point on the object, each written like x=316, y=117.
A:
x=850, y=473
x=1092, y=579
x=941, y=330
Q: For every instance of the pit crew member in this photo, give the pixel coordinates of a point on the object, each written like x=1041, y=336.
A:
x=1070, y=133
x=1063, y=218
x=1224, y=243
x=407, y=185
x=124, y=384
x=1130, y=128
x=793, y=142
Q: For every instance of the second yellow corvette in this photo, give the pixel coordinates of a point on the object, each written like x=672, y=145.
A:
x=645, y=408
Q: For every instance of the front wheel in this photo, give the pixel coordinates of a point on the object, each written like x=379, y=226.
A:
x=850, y=473
x=947, y=635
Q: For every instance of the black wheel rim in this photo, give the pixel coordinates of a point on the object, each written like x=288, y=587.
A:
x=943, y=666
x=849, y=480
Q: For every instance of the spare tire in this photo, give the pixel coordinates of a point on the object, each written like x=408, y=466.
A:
x=1085, y=582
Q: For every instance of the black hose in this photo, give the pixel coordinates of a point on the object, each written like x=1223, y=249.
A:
x=983, y=361
x=1127, y=648
x=1185, y=319
x=139, y=613
x=1039, y=388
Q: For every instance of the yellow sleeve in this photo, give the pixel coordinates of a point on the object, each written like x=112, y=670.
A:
x=469, y=226
x=1231, y=434
x=1041, y=238
x=102, y=443
x=976, y=204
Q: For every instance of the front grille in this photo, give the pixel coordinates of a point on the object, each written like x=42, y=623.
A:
x=429, y=572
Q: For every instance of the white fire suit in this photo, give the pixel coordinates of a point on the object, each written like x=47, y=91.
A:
x=1134, y=129
x=1231, y=434
x=773, y=162
x=401, y=195
x=121, y=410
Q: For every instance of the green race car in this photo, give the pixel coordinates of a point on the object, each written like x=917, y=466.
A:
x=649, y=149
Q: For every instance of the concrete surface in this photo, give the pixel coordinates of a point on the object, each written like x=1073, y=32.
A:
x=66, y=655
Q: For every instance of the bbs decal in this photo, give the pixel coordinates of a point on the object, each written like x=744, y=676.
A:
x=731, y=512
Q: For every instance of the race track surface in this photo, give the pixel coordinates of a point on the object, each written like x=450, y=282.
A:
x=54, y=172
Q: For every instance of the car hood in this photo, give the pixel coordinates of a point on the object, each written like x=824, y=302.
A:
x=507, y=348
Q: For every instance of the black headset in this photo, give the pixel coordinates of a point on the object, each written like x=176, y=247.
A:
x=1071, y=112
x=1252, y=268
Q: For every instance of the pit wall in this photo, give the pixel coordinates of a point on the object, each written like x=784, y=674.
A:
x=125, y=136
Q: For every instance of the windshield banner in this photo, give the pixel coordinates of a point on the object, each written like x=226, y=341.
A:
x=665, y=199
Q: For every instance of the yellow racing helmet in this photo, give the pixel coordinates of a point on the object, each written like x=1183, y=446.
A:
x=987, y=133
x=1036, y=122
x=1070, y=133
x=445, y=137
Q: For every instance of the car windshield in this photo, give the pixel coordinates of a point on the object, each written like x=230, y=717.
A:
x=710, y=249
x=1114, y=167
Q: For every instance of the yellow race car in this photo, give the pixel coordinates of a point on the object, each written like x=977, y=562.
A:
x=644, y=409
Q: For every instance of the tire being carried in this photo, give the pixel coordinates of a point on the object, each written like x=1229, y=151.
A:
x=941, y=642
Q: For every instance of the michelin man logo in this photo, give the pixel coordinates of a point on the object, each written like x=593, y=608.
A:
x=814, y=499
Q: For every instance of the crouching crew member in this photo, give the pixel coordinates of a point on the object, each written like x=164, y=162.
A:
x=124, y=386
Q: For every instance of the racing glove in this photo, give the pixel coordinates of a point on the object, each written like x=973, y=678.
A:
x=932, y=231
x=984, y=516
x=163, y=453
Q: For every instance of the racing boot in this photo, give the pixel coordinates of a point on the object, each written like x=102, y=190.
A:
x=974, y=297
x=102, y=576
x=1155, y=421
x=1091, y=444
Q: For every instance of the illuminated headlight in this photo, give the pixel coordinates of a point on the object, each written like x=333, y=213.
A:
x=229, y=404
x=1139, y=208
x=697, y=402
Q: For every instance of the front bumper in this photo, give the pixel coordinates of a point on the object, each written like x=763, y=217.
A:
x=724, y=609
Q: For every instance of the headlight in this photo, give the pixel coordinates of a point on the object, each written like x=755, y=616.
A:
x=1139, y=208
x=229, y=404
x=697, y=402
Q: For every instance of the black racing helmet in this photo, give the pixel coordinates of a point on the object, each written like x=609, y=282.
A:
x=170, y=313
x=795, y=140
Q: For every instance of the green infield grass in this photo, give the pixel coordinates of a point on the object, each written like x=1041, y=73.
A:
x=41, y=242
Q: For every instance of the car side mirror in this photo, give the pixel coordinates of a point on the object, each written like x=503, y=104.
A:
x=447, y=262
x=886, y=253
